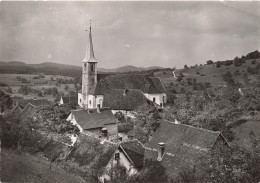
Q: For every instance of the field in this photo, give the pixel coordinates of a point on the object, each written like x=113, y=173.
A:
x=209, y=73
x=29, y=168
x=48, y=81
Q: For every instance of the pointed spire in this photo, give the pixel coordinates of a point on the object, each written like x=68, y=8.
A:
x=90, y=57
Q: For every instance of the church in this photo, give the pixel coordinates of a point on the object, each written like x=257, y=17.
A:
x=118, y=92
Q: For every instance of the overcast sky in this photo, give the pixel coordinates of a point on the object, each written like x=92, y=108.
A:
x=143, y=34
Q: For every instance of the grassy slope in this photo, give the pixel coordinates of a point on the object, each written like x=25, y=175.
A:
x=242, y=133
x=212, y=74
x=28, y=168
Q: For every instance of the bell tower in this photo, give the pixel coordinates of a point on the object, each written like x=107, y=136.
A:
x=89, y=72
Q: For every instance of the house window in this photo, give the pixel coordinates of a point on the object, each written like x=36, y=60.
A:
x=163, y=99
x=90, y=102
x=79, y=100
x=117, y=156
x=154, y=99
x=85, y=66
x=92, y=67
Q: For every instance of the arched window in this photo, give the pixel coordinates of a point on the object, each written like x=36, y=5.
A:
x=90, y=102
x=163, y=99
x=79, y=100
x=92, y=67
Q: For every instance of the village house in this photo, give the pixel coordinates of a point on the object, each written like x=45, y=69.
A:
x=93, y=93
x=92, y=121
x=178, y=145
x=29, y=106
x=130, y=155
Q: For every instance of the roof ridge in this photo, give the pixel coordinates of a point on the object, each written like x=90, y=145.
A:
x=211, y=131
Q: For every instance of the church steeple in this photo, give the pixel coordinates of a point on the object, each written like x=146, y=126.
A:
x=90, y=57
x=89, y=76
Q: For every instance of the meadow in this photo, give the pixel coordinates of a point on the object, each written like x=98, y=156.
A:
x=48, y=81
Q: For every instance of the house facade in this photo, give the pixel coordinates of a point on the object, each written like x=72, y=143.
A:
x=129, y=155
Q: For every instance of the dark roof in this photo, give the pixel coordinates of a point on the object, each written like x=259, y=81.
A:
x=129, y=81
x=37, y=102
x=177, y=136
x=93, y=119
x=89, y=151
x=174, y=164
x=115, y=99
x=28, y=111
x=134, y=151
x=67, y=100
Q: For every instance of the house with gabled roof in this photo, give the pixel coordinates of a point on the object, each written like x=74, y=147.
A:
x=178, y=145
x=29, y=106
x=128, y=154
x=92, y=121
x=93, y=93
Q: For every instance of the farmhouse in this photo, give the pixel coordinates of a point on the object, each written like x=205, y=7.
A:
x=94, y=94
x=130, y=155
x=177, y=145
x=93, y=121
x=29, y=106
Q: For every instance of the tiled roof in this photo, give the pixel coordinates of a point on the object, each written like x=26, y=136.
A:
x=174, y=164
x=129, y=81
x=89, y=151
x=67, y=100
x=37, y=102
x=28, y=111
x=93, y=119
x=134, y=151
x=177, y=136
x=115, y=99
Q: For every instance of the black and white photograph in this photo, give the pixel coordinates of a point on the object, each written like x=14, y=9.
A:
x=130, y=91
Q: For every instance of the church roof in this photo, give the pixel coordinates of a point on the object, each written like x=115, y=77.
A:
x=144, y=83
x=90, y=57
x=92, y=119
x=126, y=99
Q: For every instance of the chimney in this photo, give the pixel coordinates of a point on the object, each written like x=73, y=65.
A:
x=98, y=108
x=161, y=151
x=104, y=135
x=125, y=92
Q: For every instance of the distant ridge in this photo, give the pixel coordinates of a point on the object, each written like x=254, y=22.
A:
x=47, y=67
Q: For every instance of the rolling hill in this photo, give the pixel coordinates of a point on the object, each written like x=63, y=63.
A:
x=16, y=67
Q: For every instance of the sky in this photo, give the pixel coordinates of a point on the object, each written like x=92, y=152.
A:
x=143, y=34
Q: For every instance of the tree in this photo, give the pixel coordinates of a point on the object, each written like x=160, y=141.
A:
x=228, y=78
x=9, y=90
x=185, y=66
x=152, y=172
x=209, y=62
